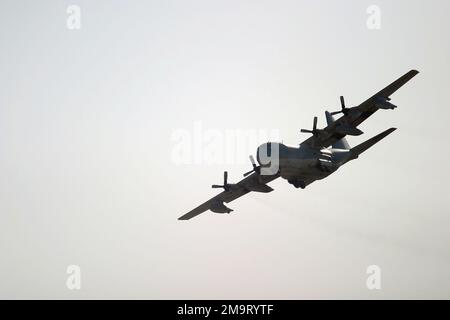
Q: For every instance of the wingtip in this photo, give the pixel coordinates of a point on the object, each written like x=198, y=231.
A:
x=390, y=130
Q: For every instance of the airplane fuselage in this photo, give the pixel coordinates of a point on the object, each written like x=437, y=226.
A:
x=302, y=165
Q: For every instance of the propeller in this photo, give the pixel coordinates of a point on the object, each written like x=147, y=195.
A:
x=314, y=130
x=343, y=110
x=225, y=185
x=256, y=168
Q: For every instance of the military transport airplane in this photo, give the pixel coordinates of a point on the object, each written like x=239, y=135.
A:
x=316, y=158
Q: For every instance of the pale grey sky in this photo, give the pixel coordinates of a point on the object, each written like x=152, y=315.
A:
x=86, y=124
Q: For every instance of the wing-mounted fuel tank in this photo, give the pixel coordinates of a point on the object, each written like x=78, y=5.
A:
x=345, y=129
x=264, y=188
x=219, y=207
x=383, y=103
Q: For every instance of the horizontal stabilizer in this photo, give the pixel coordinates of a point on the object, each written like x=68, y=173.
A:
x=360, y=148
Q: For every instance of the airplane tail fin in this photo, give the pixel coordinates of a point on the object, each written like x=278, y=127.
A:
x=360, y=148
x=341, y=144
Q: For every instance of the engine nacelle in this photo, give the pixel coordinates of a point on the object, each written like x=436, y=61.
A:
x=219, y=207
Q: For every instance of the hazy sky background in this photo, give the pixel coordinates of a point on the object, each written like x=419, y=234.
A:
x=86, y=124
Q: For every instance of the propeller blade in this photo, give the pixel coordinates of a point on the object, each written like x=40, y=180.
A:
x=225, y=178
x=255, y=167
x=314, y=124
x=247, y=173
x=342, y=102
x=252, y=160
x=215, y=186
x=336, y=112
x=306, y=131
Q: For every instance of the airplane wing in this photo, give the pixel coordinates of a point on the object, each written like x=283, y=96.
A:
x=355, y=116
x=254, y=182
